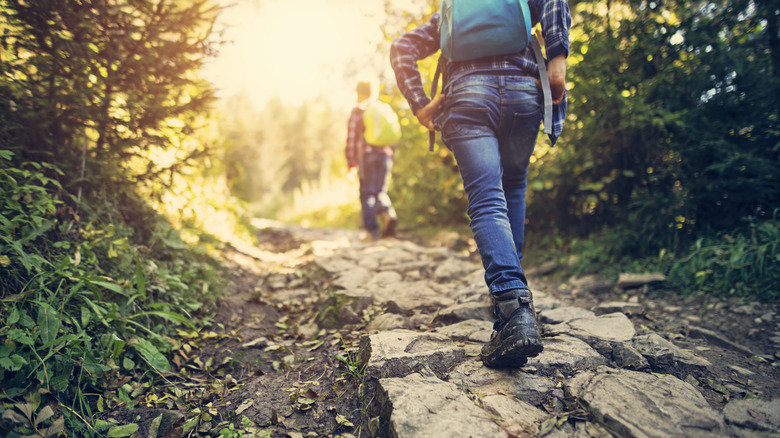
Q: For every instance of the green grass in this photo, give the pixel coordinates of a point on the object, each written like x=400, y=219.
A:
x=742, y=264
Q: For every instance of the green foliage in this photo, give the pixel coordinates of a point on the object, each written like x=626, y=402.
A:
x=745, y=265
x=80, y=300
x=34, y=419
x=426, y=184
x=269, y=154
x=671, y=142
x=671, y=132
x=99, y=87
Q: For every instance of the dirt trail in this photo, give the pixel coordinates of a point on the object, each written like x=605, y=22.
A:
x=322, y=335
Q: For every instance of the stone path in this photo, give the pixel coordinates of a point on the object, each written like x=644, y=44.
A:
x=598, y=376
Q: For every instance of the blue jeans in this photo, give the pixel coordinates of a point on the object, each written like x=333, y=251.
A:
x=491, y=124
x=374, y=177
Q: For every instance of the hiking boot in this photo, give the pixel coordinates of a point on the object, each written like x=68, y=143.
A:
x=389, y=223
x=389, y=230
x=370, y=236
x=515, y=337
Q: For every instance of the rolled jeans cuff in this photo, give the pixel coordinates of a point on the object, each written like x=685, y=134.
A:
x=509, y=290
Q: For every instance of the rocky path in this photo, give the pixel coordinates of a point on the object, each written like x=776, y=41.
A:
x=340, y=338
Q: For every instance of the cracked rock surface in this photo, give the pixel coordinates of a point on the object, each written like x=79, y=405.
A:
x=383, y=339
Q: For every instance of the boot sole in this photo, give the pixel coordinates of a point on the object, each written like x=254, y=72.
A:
x=513, y=352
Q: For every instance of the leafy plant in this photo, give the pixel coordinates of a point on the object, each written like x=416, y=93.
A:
x=81, y=304
x=33, y=419
x=741, y=264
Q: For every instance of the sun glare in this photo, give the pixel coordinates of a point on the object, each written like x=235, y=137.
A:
x=295, y=49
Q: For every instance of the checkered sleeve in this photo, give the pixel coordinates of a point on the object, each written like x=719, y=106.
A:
x=556, y=20
x=409, y=48
x=354, y=135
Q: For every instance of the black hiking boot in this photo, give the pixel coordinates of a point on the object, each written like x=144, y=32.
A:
x=515, y=337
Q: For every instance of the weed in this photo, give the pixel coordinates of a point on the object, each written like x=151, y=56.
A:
x=355, y=373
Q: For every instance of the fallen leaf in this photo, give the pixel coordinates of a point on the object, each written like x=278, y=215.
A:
x=244, y=406
x=547, y=426
x=758, y=415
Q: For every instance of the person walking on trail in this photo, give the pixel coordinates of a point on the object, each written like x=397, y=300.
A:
x=373, y=163
x=489, y=113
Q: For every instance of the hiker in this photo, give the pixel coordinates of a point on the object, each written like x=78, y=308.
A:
x=373, y=161
x=489, y=114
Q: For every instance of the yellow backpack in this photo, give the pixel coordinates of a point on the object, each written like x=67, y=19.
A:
x=381, y=124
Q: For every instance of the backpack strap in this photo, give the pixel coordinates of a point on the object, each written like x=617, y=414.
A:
x=545, y=84
x=434, y=86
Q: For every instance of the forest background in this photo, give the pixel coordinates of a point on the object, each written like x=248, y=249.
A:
x=121, y=172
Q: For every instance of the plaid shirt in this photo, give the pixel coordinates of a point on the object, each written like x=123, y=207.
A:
x=423, y=41
x=356, y=142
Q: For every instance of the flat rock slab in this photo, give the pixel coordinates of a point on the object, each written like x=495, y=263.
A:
x=463, y=311
x=335, y=264
x=591, y=283
x=565, y=354
x=426, y=407
x=474, y=330
x=635, y=404
x=353, y=278
x=452, y=269
x=516, y=383
x=717, y=339
x=565, y=314
x=754, y=414
x=664, y=355
x=516, y=416
x=543, y=301
x=387, y=321
x=397, y=353
x=620, y=306
x=615, y=327
x=409, y=295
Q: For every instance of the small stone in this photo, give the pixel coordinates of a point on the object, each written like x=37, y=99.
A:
x=689, y=379
x=740, y=370
x=629, y=281
x=619, y=306
x=734, y=389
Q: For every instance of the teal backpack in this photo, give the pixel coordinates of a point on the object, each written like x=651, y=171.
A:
x=473, y=29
